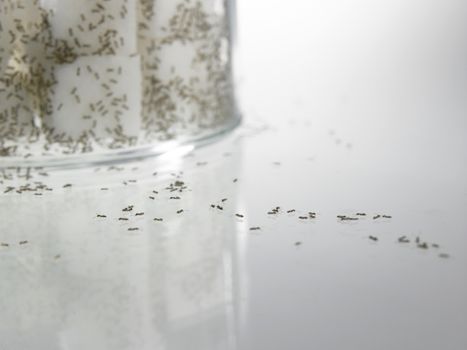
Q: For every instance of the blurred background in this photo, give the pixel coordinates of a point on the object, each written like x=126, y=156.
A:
x=397, y=68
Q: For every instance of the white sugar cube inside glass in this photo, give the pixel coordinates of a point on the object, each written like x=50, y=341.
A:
x=98, y=96
x=94, y=27
x=20, y=21
x=16, y=112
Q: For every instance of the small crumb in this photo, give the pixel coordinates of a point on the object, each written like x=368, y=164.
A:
x=67, y=185
x=122, y=219
x=361, y=214
x=417, y=240
x=104, y=189
x=224, y=200
x=219, y=207
x=376, y=217
x=180, y=211
x=303, y=217
x=58, y=256
x=387, y=216
x=444, y=256
x=133, y=229
x=158, y=219
x=291, y=211
x=139, y=214
x=4, y=244
x=373, y=238
x=101, y=216
x=423, y=245
x=256, y=228
x=298, y=244
x=239, y=215
x=154, y=174
x=434, y=245
x=175, y=197
x=213, y=206
x=235, y=180
x=151, y=197
x=23, y=242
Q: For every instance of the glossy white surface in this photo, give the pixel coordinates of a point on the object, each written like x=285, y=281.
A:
x=349, y=107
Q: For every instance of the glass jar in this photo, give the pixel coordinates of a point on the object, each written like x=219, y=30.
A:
x=99, y=80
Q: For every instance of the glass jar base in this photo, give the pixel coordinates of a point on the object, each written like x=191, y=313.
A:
x=127, y=154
